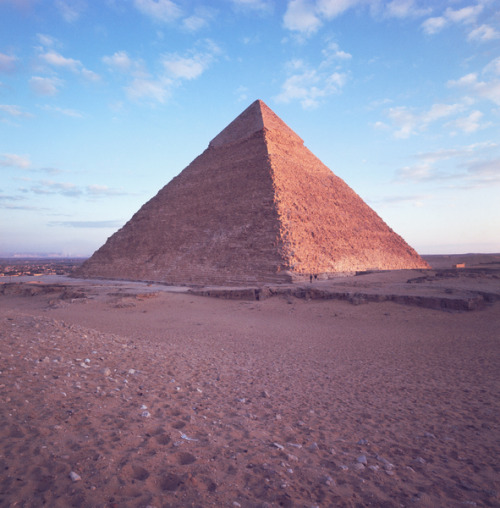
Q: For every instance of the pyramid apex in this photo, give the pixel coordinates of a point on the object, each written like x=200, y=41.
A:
x=258, y=116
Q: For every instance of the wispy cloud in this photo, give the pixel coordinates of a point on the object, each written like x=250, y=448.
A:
x=483, y=33
x=254, y=5
x=309, y=85
x=164, y=11
x=57, y=60
x=12, y=110
x=70, y=10
x=409, y=122
x=466, y=167
x=87, y=224
x=470, y=123
x=45, y=86
x=9, y=202
x=193, y=64
x=120, y=61
x=8, y=63
x=485, y=87
x=12, y=160
x=201, y=18
x=307, y=16
x=465, y=15
x=147, y=88
x=73, y=113
x=69, y=189
x=175, y=68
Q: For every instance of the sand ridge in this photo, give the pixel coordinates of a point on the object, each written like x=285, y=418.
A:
x=161, y=399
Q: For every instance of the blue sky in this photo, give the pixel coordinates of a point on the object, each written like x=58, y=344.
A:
x=103, y=103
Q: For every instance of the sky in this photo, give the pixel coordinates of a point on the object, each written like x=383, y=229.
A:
x=103, y=102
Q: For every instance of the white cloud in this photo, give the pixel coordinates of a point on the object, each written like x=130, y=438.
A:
x=195, y=22
x=157, y=90
x=300, y=16
x=193, y=65
x=309, y=87
x=12, y=110
x=466, y=15
x=470, y=123
x=104, y=191
x=484, y=89
x=55, y=59
x=333, y=8
x=483, y=33
x=408, y=122
x=404, y=9
x=63, y=111
x=493, y=67
x=182, y=67
x=160, y=10
x=45, y=86
x=333, y=52
x=307, y=16
x=434, y=25
x=7, y=63
x=47, y=187
x=87, y=224
x=256, y=5
x=46, y=40
x=12, y=160
x=119, y=61
x=465, y=167
x=70, y=11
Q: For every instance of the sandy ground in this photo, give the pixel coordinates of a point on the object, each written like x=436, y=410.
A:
x=161, y=399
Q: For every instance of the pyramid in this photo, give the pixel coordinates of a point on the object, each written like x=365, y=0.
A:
x=255, y=206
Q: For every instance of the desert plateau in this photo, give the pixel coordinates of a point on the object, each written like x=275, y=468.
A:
x=380, y=389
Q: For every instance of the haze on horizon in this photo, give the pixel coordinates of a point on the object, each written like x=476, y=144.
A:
x=102, y=104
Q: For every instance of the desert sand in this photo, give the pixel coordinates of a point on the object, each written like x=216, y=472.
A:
x=127, y=394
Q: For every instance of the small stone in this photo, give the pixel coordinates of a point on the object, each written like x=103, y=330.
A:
x=106, y=371
x=292, y=458
x=429, y=435
x=420, y=460
x=146, y=414
x=328, y=480
x=131, y=371
x=277, y=445
x=343, y=467
x=359, y=466
x=362, y=442
x=362, y=460
x=374, y=468
x=313, y=447
x=264, y=394
x=75, y=476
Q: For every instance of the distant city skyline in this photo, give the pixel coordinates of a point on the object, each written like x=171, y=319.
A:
x=103, y=103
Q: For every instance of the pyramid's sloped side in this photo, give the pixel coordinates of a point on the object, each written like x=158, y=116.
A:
x=215, y=223
x=325, y=225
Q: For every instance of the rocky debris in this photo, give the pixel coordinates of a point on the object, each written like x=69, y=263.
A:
x=75, y=477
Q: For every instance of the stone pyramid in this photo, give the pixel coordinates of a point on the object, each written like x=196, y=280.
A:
x=255, y=206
